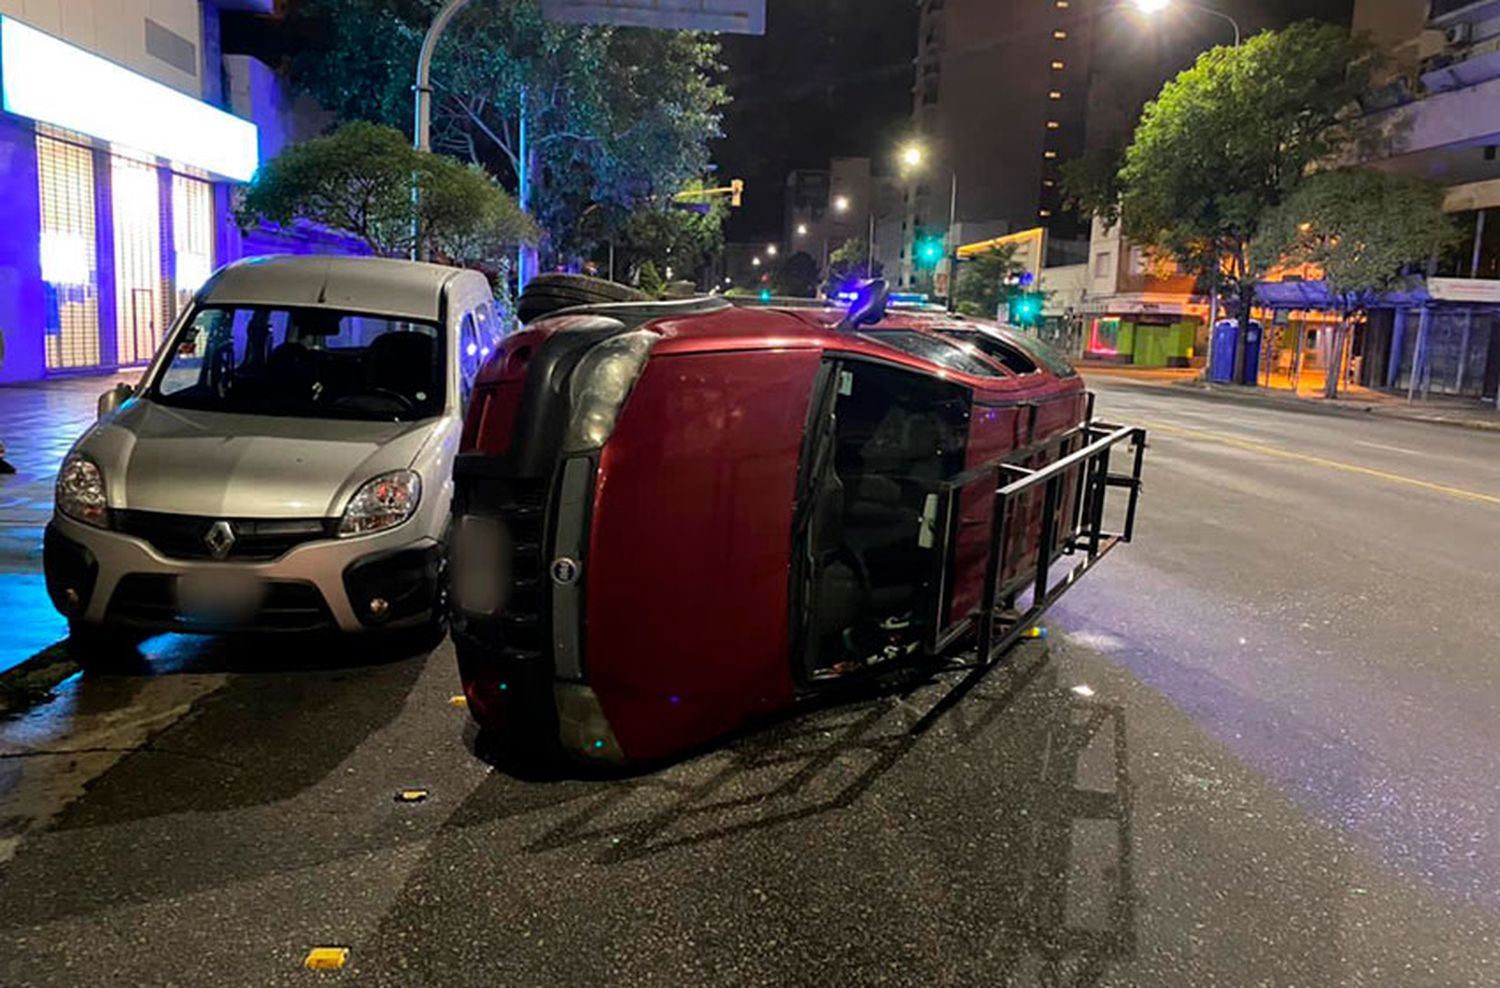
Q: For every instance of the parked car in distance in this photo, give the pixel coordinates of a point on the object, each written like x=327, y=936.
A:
x=284, y=464
x=675, y=518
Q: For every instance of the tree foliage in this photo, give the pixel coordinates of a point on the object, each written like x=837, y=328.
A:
x=359, y=180
x=682, y=239
x=797, y=276
x=1091, y=184
x=988, y=281
x=1362, y=228
x=851, y=259
x=615, y=116
x=1233, y=136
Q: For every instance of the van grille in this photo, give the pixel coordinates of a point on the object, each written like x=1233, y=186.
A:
x=256, y=539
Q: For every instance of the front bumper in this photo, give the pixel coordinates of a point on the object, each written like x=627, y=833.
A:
x=327, y=584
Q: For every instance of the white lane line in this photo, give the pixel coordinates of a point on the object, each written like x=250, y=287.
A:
x=1393, y=449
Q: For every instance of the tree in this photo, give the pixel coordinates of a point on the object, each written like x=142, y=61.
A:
x=615, y=116
x=797, y=276
x=851, y=260
x=1362, y=228
x=649, y=280
x=1232, y=137
x=359, y=180
x=1091, y=184
x=988, y=281
x=685, y=240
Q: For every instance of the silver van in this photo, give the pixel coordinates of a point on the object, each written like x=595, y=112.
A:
x=284, y=464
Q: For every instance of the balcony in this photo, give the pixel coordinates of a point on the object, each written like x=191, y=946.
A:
x=1444, y=12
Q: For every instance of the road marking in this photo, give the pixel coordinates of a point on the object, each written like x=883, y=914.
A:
x=1393, y=449
x=1287, y=454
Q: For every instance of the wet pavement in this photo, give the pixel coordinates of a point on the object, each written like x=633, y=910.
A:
x=1260, y=748
x=38, y=424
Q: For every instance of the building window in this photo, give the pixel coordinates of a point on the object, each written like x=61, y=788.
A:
x=1103, y=262
x=1050, y=155
x=1053, y=125
x=1058, y=66
x=1055, y=94
x=1062, y=4
x=135, y=191
x=1044, y=213
x=192, y=237
x=1060, y=34
x=69, y=257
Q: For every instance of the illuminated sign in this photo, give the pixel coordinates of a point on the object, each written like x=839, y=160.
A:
x=51, y=81
x=1030, y=245
x=734, y=16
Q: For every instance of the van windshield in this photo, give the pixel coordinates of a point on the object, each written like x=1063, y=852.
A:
x=307, y=363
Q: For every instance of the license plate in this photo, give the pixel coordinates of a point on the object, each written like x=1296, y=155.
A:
x=218, y=597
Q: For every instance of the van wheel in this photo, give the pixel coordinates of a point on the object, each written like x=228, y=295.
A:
x=99, y=649
x=547, y=293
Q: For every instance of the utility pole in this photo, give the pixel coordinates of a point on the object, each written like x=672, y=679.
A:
x=422, y=130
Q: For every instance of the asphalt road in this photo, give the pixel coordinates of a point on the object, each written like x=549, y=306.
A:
x=1260, y=748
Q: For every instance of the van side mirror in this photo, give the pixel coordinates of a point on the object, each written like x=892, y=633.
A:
x=111, y=400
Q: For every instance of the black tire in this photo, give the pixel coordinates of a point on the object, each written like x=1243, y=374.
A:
x=99, y=649
x=547, y=293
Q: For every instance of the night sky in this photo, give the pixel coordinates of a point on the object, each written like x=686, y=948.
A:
x=833, y=78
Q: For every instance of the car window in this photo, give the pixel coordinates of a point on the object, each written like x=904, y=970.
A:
x=1043, y=353
x=314, y=363
x=1012, y=358
x=944, y=353
x=472, y=352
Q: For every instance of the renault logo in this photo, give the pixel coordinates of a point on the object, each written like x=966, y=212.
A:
x=219, y=539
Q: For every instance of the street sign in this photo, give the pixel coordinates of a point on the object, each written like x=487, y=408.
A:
x=733, y=16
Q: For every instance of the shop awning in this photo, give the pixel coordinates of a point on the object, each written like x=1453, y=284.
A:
x=1315, y=296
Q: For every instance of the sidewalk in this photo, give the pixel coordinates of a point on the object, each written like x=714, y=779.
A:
x=38, y=422
x=1463, y=412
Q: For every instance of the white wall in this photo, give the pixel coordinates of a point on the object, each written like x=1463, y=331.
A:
x=116, y=29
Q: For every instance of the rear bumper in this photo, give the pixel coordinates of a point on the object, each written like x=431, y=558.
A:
x=117, y=579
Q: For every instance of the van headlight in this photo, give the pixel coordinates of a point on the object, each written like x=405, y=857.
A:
x=601, y=383
x=80, y=491
x=382, y=503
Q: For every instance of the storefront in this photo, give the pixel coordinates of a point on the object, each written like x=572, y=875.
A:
x=115, y=192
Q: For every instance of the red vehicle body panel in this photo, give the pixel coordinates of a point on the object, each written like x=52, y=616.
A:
x=686, y=625
x=686, y=631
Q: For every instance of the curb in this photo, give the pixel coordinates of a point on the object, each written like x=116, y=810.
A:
x=31, y=682
x=1357, y=410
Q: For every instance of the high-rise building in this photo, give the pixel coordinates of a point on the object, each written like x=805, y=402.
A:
x=1000, y=102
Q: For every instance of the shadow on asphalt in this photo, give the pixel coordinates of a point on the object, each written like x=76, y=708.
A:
x=293, y=710
x=825, y=760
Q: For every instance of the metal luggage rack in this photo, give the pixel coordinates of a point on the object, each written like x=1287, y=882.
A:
x=1074, y=529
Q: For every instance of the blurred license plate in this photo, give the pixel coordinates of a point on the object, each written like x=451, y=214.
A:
x=212, y=597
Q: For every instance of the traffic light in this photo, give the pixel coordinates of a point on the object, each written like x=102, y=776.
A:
x=1026, y=309
x=736, y=191
x=929, y=252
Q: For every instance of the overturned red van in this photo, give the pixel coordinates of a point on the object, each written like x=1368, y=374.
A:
x=672, y=519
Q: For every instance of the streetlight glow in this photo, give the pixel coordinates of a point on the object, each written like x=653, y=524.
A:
x=1151, y=6
x=771, y=250
x=841, y=204
x=911, y=156
x=755, y=262
x=801, y=229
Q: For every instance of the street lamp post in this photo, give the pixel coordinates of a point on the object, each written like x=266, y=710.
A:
x=422, y=128
x=1157, y=6
x=912, y=157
